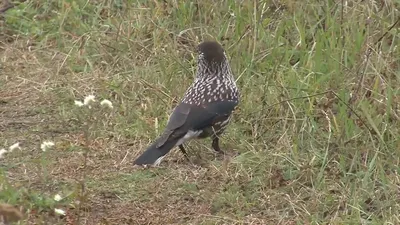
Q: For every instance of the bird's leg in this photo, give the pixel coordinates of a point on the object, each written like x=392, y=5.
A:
x=184, y=152
x=215, y=145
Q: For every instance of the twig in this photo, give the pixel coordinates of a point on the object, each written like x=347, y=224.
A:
x=353, y=111
x=274, y=72
x=82, y=195
x=295, y=98
x=388, y=30
x=367, y=55
x=245, y=32
x=158, y=90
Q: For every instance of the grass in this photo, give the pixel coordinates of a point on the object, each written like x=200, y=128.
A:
x=318, y=125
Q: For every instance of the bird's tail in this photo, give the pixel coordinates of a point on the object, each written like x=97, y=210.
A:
x=154, y=155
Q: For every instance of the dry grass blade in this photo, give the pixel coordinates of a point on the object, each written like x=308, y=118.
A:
x=316, y=134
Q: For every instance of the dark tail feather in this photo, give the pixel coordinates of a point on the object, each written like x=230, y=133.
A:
x=154, y=155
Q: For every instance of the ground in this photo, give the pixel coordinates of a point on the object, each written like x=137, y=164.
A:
x=316, y=133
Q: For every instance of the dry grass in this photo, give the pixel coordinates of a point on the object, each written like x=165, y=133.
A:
x=318, y=126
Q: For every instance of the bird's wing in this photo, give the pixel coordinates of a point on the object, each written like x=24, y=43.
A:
x=187, y=117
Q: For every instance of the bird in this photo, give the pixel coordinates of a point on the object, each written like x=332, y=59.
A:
x=205, y=109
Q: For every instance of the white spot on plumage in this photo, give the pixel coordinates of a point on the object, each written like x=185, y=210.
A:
x=158, y=161
x=189, y=135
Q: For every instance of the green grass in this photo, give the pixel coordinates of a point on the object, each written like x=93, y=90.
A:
x=318, y=125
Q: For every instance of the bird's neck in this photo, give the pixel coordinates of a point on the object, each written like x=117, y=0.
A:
x=217, y=71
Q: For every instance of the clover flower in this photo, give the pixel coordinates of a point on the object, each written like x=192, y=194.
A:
x=46, y=145
x=79, y=103
x=57, y=197
x=2, y=152
x=107, y=103
x=89, y=99
x=59, y=212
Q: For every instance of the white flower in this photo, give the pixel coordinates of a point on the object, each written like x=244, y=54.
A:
x=88, y=99
x=13, y=147
x=106, y=103
x=46, y=145
x=2, y=152
x=78, y=103
x=57, y=197
x=59, y=211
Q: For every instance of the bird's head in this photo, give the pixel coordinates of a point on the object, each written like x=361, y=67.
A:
x=211, y=52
